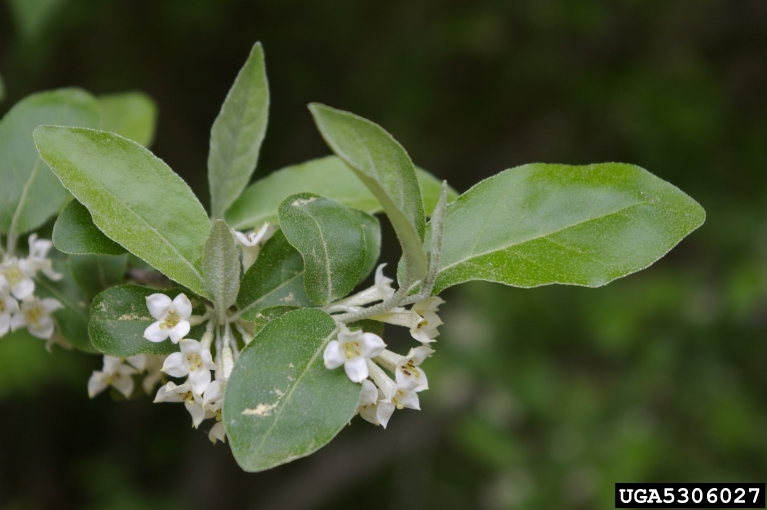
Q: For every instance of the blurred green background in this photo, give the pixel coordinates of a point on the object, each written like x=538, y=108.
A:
x=540, y=399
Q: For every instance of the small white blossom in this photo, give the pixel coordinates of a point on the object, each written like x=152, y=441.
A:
x=8, y=307
x=37, y=261
x=250, y=243
x=368, y=402
x=172, y=317
x=351, y=350
x=192, y=361
x=212, y=402
x=404, y=395
x=184, y=393
x=116, y=374
x=407, y=367
x=35, y=314
x=154, y=374
x=380, y=291
x=18, y=276
x=426, y=331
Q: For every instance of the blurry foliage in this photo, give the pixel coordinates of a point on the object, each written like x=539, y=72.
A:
x=543, y=398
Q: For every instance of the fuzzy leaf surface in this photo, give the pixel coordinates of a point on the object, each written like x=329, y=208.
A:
x=133, y=197
x=30, y=192
x=239, y=129
x=331, y=241
x=129, y=114
x=371, y=230
x=541, y=224
x=119, y=316
x=384, y=166
x=328, y=177
x=281, y=403
x=275, y=279
x=75, y=233
x=221, y=265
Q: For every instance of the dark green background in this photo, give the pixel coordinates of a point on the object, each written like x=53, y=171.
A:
x=540, y=399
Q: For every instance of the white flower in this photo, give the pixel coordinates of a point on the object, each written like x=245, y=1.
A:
x=407, y=367
x=35, y=314
x=404, y=395
x=172, y=317
x=8, y=307
x=250, y=243
x=115, y=374
x=193, y=361
x=184, y=393
x=426, y=331
x=37, y=261
x=212, y=402
x=351, y=350
x=380, y=291
x=153, y=366
x=368, y=402
x=18, y=276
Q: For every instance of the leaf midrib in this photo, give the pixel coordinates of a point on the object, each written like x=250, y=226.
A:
x=278, y=287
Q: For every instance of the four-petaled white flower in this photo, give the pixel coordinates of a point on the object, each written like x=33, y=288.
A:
x=250, y=243
x=212, y=402
x=37, y=261
x=408, y=367
x=8, y=307
x=368, y=402
x=351, y=350
x=184, y=393
x=426, y=330
x=193, y=361
x=116, y=374
x=403, y=395
x=380, y=291
x=172, y=317
x=18, y=276
x=35, y=314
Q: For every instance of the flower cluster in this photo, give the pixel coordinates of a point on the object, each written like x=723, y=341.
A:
x=364, y=355
x=19, y=307
x=120, y=373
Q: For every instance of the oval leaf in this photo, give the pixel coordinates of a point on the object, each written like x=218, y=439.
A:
x=329, y=237
x=275, y=279
x=129, y=114
x=239, y=129
x=119, y=317
x=95, y=273
x=371, y=231
x=221, y=265
x=385, y=168
x=75, y=233
x=578, y=225
x=281, y=403
x=133, y=197
x=30, y=192
x=328, y=177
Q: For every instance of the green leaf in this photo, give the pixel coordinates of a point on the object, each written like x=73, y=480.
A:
x=578, y=225
x=31, y=16
x=129, y=114
x=385, y=168
x=72, y=320
x=119, y=317
x=371, y=231
x=75, y=233
x=330, y=239
x=328, y=177
x=221, y=266
x=267, y=315
x=368, y=326
x=275, y=279
x=30, y=193
x=237, y=133
x=281, y=403
x=95, y=273
x=133, y=197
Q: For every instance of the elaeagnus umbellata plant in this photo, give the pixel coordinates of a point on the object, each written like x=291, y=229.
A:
x=254, y=315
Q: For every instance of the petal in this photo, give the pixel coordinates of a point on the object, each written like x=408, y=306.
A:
x=349, y=336
x=18, y=321
x=213, y=394
x=51, y=305
x=111, y=364
x=368, y=413
x=44, y=328
x=199, y=379
x=179, y=331
x=421, y=336
x=207, y=360
x=419, y=354
x=5, y=323
x=150, y=381
x=197, y=412
x=158, y=305
x=369, y=393
x=176, y=365
x=138, y=361
x=189, y=346
x=96, y=384
x=381, y=280
x=171, y=393
x=153, y=333
x=4, y=286
x=357, y=369
x=124, y=384
x=384, y=410
x=410, y=400
x=333, y=356
x=50, y=273
x=217, y=432
x=183, y=306
x=372, y=345
x=11, y=305
x=23, y=289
